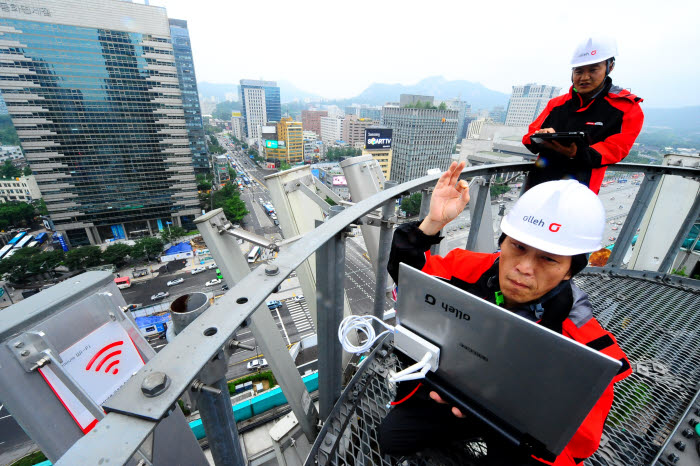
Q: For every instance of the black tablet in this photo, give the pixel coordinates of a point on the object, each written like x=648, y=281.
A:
x=563, y=138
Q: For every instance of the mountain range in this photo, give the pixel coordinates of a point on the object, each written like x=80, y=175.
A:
x=478, y=95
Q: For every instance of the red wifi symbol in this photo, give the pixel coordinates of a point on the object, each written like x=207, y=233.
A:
x=106, y=358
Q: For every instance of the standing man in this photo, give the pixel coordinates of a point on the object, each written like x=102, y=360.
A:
x=610, y=116
x=531, y=277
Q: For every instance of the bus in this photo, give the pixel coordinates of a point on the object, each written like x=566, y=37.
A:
x=24, y=241
x=41, y=237
x=5, y=250
x=17, y=237
x=122, y=282
x=268, y=209
x=253, y=254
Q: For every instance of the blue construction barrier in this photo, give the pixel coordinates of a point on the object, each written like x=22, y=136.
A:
x=249, y=408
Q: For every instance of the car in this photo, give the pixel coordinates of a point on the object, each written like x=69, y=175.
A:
x=161, y=295
x=273, y=216
x=276, y=222
x=612, y=238
x=224, y=287
x=213, y=282
x=198, y=270
x=274, y=304
x=257, y=364
x=211, y=266
x=619, y=222
x=614, y=228
x=612, y=222
x=297, y=298
x=133, y=307
x=612, y=198
x=261, y=200
x=177, y=281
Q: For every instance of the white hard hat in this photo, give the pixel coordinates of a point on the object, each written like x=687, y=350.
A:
x=560, y=217
x=594, y=50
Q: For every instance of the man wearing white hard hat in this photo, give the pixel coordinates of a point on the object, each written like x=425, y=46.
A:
x=610, y=116
x=546, y=237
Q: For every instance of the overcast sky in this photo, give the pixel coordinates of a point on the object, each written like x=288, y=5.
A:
x=337, y=48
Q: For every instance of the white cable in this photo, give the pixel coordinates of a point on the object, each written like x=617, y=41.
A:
x=361, y=324
x=414, y=372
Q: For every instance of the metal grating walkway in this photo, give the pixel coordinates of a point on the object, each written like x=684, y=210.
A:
x=656, y=324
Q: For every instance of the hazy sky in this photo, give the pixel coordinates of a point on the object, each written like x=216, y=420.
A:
x=336, y=49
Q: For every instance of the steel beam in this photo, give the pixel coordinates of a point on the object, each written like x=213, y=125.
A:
x=330, y=299
x=683, y=232
x=234, y=268
x=326, y=207
x=386, y=231
x=477, y=214
x=634, y=219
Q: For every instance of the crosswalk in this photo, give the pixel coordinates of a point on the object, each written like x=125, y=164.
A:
x=301, y=317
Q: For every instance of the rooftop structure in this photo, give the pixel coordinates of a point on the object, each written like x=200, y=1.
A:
x=527, y=102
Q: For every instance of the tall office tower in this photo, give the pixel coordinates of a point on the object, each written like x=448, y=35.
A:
x=422, y=139
x=527, y=102
x=354, y=130
x=190, y=97
x=373, y=113
x=260, y=103
x=97, y=106
x=237, y=125
x=311, y=120
x=331, y=130
x=461, y=107
x=498, y=114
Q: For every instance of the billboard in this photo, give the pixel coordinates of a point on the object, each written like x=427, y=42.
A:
x=339, y=181
x=271, y=144
x=378, y=138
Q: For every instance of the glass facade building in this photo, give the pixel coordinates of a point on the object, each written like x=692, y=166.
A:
x=273, y=107
x=422, y=139
x=190, y=97
x=93, y=92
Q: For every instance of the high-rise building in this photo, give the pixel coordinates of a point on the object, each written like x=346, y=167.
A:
x=373, y=113
x=288, y=143
x=461, y=107
x=260, y=103
x=378, y=144
x=331, y=130
x=422, y=139
x=413, y=99
x=354, y=130
x=498, y=114
x=237, y=125
x=97, y=105
x=221, y=173
x=311, y=120
x=190, y=97
x=527, y=102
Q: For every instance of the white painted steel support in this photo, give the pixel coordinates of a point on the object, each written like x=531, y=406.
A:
x=386, y=232
x=234, y=267
x=330, y=271
x=480, y=237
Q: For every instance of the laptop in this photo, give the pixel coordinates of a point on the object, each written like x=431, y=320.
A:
x=531, y=384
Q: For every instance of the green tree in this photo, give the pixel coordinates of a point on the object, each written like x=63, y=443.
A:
x=116, y=254
x=46, y=261
x=284, y=166
x=442, y=106
x=81, y=258
x=147, y=248
x=203, y=183
x=16, y=268
x=411, y=204
x=41, y=207
x=234, y=209
x=498, y=189
x=8, y=170
x=173, y=234
x=27, y=171
x=15, y=214
x=232, y=174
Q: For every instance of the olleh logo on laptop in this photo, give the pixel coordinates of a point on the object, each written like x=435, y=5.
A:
x=430, y=299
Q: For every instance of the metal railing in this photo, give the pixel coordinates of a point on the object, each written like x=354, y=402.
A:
x=132, y=416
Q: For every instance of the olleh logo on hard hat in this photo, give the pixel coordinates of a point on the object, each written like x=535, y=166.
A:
x=553, y=227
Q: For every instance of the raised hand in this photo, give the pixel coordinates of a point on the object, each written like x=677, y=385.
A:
x=448, y=200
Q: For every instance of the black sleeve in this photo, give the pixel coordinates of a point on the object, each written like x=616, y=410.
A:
x=587, y=157
x=408, y=246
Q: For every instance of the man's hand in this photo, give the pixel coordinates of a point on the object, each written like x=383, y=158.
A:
x=567, y=151
x=437, y=398
x=448, y=200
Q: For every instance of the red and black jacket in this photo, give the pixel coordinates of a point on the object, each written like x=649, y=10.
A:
x=565, y=310
x=612, y=120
